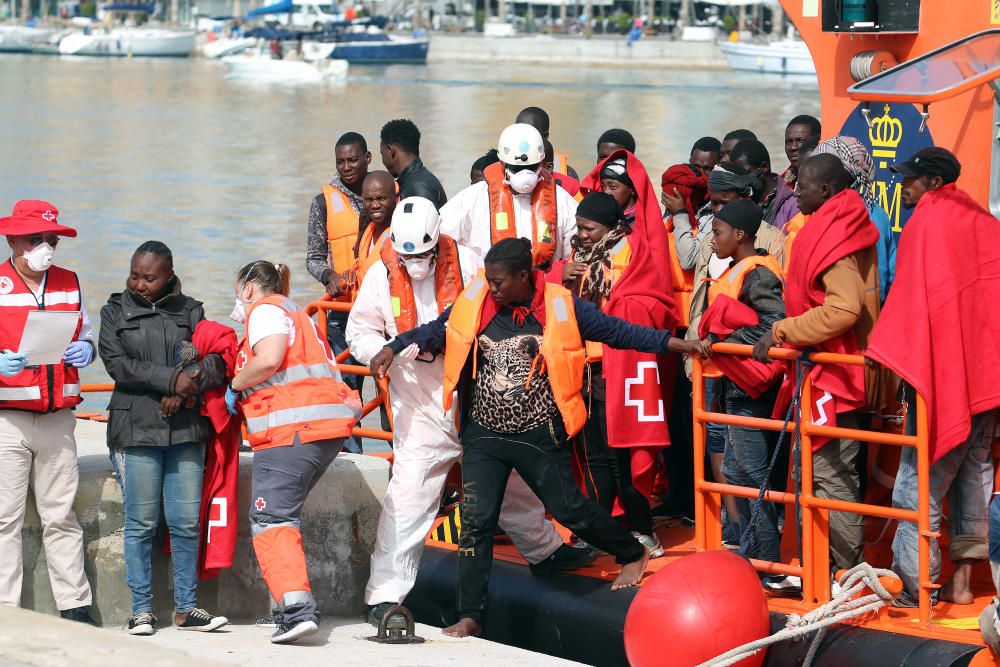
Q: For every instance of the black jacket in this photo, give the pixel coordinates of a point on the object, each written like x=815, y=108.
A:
x=138, y=344
x=416, y=180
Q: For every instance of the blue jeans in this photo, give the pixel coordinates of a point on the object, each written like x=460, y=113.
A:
x=174, y=474
x=745, y=464
x=995, y=542
x=965, y=477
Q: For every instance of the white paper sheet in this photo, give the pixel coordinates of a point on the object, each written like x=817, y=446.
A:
x=47, y=334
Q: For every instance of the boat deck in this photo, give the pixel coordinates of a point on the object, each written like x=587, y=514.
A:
x=949, y=622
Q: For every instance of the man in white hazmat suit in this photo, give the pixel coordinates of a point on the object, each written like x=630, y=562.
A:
x=519, y=198
x=421, y=274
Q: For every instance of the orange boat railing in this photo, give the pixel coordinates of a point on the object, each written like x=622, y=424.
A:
x=814, y=569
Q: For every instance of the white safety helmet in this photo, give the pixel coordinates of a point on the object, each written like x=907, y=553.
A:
x=415, y=226
x=521, y=144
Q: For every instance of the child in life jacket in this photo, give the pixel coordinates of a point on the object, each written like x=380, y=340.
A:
x=743, y=304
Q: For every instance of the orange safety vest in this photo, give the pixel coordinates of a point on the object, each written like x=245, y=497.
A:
x=681, y=279
x=368, y=252
x=447, y=280
x=621, y=255
x=305, y=397
x=792, y=230
x=543, y=214
x=341, y=229
x=730, y=283
x=562, y=349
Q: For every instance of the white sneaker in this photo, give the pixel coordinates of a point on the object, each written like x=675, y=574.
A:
x=651, y=542
x=782, y=585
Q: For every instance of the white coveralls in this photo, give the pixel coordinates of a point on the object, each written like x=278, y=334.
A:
x=425, y=445
x=466, y=218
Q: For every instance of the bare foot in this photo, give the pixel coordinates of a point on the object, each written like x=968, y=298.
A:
x=631, y=573
x=959, y=589
x=466, y=627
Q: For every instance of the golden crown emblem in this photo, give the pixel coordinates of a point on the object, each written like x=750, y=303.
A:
x=886, y=131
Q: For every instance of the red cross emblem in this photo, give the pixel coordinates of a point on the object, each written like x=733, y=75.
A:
x=260, y=504
x=639, y=402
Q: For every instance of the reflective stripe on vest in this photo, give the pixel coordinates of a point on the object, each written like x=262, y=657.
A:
x=296, y=373
x=71, y=390
x=306, y=413
x=51, y=299
x=20, y=393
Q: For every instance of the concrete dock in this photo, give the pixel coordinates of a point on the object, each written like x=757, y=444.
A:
x=27, y=638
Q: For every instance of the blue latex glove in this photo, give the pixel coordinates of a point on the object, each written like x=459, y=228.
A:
x=79, y=353
x=12, y=363
x=231, y=398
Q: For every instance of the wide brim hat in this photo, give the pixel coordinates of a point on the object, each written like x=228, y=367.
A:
x=34, y=216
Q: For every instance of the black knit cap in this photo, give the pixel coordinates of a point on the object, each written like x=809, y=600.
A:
x=742, y=214
x=600, y=208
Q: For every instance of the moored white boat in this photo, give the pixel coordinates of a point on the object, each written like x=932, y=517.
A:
x=784, y=57
x=21, y=39
x=258, y=67
x=155, y=42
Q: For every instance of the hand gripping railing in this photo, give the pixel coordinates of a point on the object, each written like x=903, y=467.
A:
x=815, y=566
x=318, y=308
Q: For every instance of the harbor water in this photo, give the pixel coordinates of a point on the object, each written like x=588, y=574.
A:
x=223, y=171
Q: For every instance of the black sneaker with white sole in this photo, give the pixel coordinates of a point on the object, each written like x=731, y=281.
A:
x=199, y=620
x=290, y=632
x=142, y=624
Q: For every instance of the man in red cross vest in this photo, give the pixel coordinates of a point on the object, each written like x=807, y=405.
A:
x=36, y=416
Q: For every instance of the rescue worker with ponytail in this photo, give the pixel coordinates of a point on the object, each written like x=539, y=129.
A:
x=298, y=413
x=519, y=198
x=421, y=275
x=513, y=350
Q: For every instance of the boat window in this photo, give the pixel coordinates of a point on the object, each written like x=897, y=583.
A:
x=943, y=73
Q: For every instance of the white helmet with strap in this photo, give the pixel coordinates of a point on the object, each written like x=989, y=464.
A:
x=521, y=144
x=415, y=227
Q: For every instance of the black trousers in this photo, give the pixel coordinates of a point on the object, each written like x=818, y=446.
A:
x=542, y=458
x=609, y=472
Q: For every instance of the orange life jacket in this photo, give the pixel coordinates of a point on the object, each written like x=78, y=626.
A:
x=305, y=396
x=447, y=280
x=621, y=255
x=562, y=349
x=681, y=279
x=792, y=230
x=341, y=229
x=543, y=214
x=368, y=252
x=730, y=283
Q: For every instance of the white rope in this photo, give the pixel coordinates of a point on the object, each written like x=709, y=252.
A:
x=837, y=610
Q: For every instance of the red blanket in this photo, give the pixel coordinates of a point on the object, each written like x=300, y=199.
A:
x=722, y=318
x=692, y=188
x=939, y=327
x=839, y=228
x=219, y=509
x=639, y=385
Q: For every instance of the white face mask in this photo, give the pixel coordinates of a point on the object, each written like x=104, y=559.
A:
x=522, y=182
x=239, y=314
x=40, y=257
x=418, y=269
